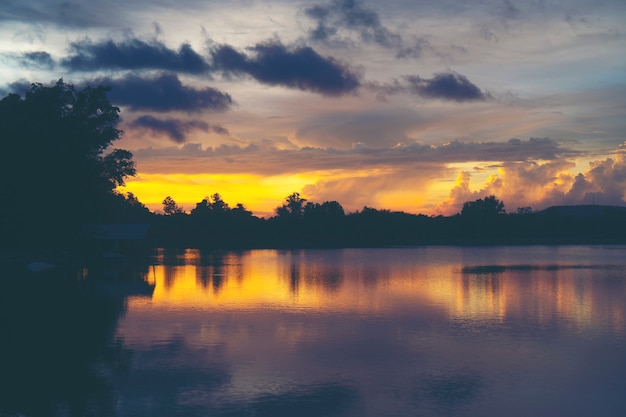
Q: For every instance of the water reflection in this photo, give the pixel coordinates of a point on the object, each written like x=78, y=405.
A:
x=58, y=347
x=375, y=332
x=392, y=282
x=423, y=331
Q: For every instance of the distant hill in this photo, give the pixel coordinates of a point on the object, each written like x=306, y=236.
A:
x=583, y=211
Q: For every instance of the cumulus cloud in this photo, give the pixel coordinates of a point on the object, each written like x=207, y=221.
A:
x=133, y=54
x=541, y=185
x=402, y=188
x=446, y=86
x=297, y=67
x=175, y=129
x=164, y=92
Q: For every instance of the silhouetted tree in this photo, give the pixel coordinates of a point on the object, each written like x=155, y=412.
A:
x=202, y=208
x=293, y=206
x=240, y=211
x=218, y=205
x=211, y=206
x=56, y=165
x=487, y=207
x=326, y=210
x=170, y=206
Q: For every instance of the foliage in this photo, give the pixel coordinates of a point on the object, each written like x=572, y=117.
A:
x=489, y=206
x=56, y=167
x=170, y=207
x=211, y=206
x=293, y=206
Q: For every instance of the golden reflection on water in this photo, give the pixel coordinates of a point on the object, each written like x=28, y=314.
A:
x=341, y=281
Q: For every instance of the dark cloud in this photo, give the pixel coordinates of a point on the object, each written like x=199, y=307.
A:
x=351, y=15
x=162, y=93
x=39, y=59
x=446, y=86
x=133, y=54
x=175, y=129
x=300, y=67
x=450, y=86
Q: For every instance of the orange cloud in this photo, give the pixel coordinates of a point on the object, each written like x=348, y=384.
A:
x=541, y=185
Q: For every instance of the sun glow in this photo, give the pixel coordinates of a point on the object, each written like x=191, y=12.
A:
x=259, y=194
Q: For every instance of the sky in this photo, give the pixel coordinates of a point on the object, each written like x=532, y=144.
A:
x=407, y=105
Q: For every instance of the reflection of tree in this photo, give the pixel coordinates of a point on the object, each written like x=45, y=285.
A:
x=294, y=278
x=211, y=269
x=57, y=348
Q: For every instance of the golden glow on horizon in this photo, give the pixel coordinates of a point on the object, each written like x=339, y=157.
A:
x=260, y=194
x=537, y=184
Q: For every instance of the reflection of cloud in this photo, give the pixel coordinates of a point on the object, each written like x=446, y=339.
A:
x=316, y=400
x=450, y=390
x=159, y=385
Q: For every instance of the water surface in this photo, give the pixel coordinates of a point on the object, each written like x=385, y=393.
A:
x=429, y=331
x=381, y=332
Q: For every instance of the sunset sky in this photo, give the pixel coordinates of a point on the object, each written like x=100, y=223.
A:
x=408, y=105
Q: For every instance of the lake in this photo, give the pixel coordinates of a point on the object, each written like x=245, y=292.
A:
x=425, y=331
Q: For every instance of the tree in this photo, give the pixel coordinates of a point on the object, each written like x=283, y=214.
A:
x=327, y=210
x=170, y=207
x=241, y=211
x=489, y=206
x=293, y=206
x=202, y=208
x=211, y=206
x=218, y=205
x=56, y=165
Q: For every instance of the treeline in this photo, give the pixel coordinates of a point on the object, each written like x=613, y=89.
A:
x=299, y=223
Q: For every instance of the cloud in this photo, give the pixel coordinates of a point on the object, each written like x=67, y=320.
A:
x=175, y=129
x=162, y=93
x=133, y=54
x=298, y=67
x=265, y=158
x=379, y=188
x=37, y=59
x=353, y=16
x=446, y=86
x=416, y=49
x=541, y=185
